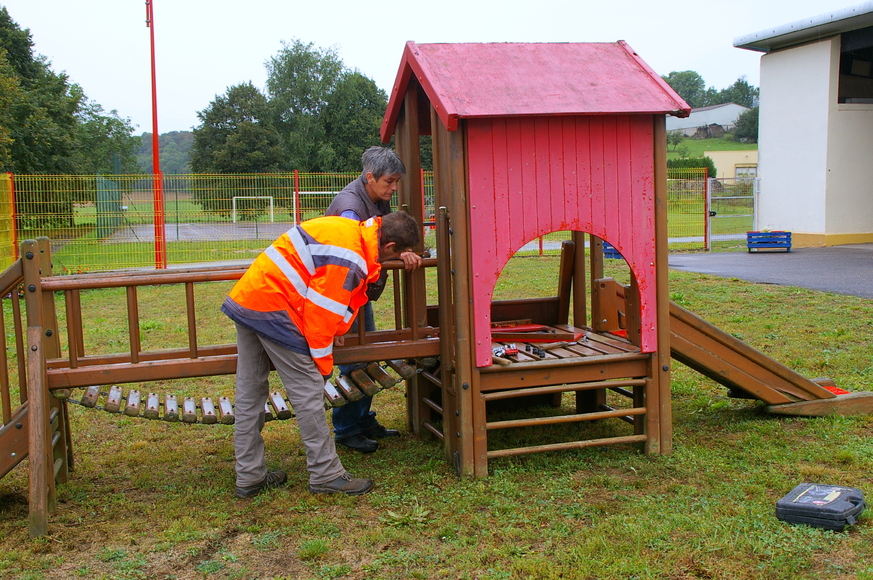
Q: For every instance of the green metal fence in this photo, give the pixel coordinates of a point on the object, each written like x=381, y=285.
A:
x=99, y=223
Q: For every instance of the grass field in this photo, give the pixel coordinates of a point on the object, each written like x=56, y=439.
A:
x=152, y=500
x=697, y=147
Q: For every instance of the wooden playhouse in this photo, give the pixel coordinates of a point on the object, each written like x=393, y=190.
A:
x=530, y=139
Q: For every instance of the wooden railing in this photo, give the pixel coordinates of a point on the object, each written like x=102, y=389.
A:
x=34, y=423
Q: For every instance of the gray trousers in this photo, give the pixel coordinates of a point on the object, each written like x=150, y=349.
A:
x=305, y=387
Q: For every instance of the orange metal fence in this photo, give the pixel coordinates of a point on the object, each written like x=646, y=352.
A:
x=8, y=240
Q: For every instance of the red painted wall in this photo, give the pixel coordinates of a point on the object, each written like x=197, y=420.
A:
x=533, y=175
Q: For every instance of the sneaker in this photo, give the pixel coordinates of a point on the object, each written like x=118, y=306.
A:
x=380, y=432
x=359, y=443
x=344, y=484
x=273, y=479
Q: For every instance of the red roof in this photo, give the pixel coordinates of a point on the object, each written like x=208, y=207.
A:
x=513, y=79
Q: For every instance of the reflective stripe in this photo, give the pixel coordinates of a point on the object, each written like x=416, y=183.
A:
x=321, y=352
x=290, y=273
x=329, y=304
x=341, y=253
x=303, y=250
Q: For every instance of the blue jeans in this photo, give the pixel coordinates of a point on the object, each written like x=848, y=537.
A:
x=354, y=418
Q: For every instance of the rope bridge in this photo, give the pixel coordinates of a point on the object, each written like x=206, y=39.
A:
x=219, y=410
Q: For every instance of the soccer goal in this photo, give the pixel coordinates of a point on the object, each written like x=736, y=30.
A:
x=238, y=197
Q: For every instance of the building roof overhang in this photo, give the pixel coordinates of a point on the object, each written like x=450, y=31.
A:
x=808, y=29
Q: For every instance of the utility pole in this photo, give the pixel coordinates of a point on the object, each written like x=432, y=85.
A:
x=160, y=229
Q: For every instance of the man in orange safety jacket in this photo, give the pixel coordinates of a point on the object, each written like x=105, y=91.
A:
x=290, y=307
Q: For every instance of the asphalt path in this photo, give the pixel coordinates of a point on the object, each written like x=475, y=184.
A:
x=840, y=269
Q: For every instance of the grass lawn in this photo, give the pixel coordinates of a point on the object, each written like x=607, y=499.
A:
x=153, y=500
x=697, y=147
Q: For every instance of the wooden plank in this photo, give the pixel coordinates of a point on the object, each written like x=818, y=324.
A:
x=553, y=336
x=207, y=411
x=189, y=410
x=363, y=381
x=171, y=408
x=113, y=399
x=348, y=388
x=565, y=280
x=90, y=397
x=332, y=395
x=280, y=405
x=153, y=406
x=225, y=411
x=131, y=409
x=14, y=440
x=40, y=501
x=380, y=375
x=401, y=367
x=850, y=404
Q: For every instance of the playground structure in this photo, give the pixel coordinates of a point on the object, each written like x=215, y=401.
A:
x=506, y=172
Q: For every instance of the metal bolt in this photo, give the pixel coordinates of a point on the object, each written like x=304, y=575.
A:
x=31, y=288
x=665, y=368
x=465, y=386
x=18, y=425
x=49, y=332
x=29, y=255
x=34, y=348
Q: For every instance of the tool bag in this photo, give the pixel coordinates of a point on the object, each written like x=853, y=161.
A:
x=821, y=506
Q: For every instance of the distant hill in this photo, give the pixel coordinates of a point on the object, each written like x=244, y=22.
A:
x=174, y=149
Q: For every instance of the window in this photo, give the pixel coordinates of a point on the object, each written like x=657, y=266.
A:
x=856, y=66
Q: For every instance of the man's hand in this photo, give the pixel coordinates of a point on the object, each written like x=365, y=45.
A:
x=411, y=260
x=339, y=340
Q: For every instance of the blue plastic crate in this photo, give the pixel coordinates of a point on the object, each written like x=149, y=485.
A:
x=609, y=251
x=756, y=241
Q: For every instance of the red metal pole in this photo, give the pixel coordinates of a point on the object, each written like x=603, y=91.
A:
x=160, y=228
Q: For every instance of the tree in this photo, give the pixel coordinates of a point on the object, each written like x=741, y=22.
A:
x=47, y=124
x=300, y=80
x=173, y=147
x=689, y=85
x=674, y=138
x=351, y=119
x=692, y=88
x=741, y=93
x=747, y=126
x=41, y=121
x=105, y=142
x=236, y=135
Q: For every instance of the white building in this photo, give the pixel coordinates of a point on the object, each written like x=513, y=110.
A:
x=815, y=139
x=724, y=115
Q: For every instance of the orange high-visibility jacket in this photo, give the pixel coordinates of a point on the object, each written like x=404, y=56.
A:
x=307, y=287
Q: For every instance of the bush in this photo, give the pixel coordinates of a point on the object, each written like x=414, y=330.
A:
x=747, y=126
x=692, y=163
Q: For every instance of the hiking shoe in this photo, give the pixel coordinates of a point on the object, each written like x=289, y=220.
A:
x=359, y=443
x=380, y=432
x=273, y=479
x=344, y=484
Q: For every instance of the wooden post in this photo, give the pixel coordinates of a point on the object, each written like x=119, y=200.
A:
x=411, y=195
x=660, y=415
x=41, y=496
x=52, y=349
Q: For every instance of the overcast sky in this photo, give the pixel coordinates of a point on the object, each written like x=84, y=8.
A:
x=205, y=46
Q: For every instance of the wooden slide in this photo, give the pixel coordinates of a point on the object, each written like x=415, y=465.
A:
x=751, y=374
